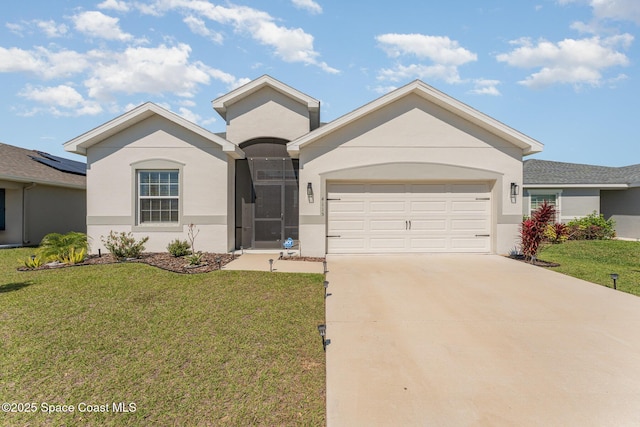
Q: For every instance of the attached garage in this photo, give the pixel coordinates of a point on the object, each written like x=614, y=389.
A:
x=408, y=217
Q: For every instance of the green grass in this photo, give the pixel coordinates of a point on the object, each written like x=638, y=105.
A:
x=222, y=348
x=594, y=260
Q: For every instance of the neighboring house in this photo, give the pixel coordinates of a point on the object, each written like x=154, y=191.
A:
x=578, y=190
x=413, y=171
x=39, y=194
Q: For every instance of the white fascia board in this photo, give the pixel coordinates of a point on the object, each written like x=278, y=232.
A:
x=527, y=144
x=220, y=104
x=80, y=144
x=600, y=186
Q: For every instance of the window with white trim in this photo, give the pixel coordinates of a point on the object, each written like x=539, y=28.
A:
x=537, y=199
x=158, y=196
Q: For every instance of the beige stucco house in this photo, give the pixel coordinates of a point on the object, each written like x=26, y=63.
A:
x=413, y=171
x=39, y=194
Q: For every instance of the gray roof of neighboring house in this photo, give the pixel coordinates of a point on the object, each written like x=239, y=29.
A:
x=22, y=165
x=548, y=172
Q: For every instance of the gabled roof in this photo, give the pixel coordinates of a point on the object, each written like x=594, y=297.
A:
x=222, y=103
x=527, y=144
x=22, y=165
x=547, y=173
x=80, y=144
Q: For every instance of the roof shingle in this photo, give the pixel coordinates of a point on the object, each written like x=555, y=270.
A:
x=548, y=172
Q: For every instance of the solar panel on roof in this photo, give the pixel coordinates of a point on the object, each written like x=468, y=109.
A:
x=61, y=164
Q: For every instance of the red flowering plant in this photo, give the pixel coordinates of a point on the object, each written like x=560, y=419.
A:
x=532, y=230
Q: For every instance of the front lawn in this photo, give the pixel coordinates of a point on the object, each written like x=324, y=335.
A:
x=222, y=348
x=595, y=260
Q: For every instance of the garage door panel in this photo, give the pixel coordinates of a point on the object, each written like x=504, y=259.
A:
x=387, y=188
x=357, y=207
x=347, y=245
x=387, y=243
x=468, y=206
x=427, y=206
x=346, y=225
x=459, y=244
x=437, y=224
x=471, y=188
x=387, y=225
x=427, y=188
x=387, y=206
x=424, y=243
x=474, y=225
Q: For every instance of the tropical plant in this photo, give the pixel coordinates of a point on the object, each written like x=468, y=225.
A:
x=74, y=257
x=179, y=248
x=556, y=233
x=195, y=258
x=31, y=262
x=57, y=247
x=592, y=227
x=532, y=230
x=123, y=245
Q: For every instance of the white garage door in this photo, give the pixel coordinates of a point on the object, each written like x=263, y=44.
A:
x=408, y=217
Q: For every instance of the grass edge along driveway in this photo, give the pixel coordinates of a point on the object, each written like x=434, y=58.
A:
x=223, y=348
x=595, y=260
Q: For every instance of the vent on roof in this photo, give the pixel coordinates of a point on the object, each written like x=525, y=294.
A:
x=61, y=164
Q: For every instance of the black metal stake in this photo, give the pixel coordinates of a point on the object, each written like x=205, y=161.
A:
x=322, y=330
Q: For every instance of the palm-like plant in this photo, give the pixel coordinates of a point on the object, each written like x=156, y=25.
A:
x=58, y=247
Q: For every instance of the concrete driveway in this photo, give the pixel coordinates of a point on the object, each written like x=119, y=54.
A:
x=457, y=340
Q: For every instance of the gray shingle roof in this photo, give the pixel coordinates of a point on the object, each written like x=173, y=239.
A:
x=548, y=172
x=18, y=164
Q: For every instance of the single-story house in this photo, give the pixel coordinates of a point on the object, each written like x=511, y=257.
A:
x=39, y=194
x=412, y=171
x=578, y=190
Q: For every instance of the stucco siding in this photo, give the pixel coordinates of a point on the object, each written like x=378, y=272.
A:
x=574, y=202
x=12, y=234
x=204, y=180
x=411, y=140
x=623, y=206
x=267, y=113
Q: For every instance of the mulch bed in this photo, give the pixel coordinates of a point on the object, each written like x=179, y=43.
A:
x=166, y=261
x=162, y=260
x=537, y=262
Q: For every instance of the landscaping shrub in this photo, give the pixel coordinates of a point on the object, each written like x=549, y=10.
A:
x=556, y=233
x=591, y=227
x=31, y=262
x=532, y=230
x=179, y=248
x=123, y=245
x=58, y=247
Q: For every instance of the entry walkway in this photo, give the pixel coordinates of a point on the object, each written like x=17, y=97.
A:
x=478, y=340
x=260, y=262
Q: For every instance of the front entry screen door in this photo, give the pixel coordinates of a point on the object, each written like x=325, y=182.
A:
x=275, y=189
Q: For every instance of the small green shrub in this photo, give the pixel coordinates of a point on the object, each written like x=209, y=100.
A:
x=179, y=248
x=556, y=233
x=195, y=258
x=57, y=247
x=31, y=262
x=123, y=245
x=592, y=227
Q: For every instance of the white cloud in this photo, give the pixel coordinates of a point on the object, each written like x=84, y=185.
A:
x=616, y=10
x=189, y=115
x=383, y=89
x=42, y=62
x=441, y=50
x=198, y=26
x=51, y=29
x=15, y=28
x=289, y=44
x=62, y=96
x=446, y=73
x=308, y=5
x=445, y=55
x=569, y=61
x=117, y=5
x=97, y=24
x=485, y=87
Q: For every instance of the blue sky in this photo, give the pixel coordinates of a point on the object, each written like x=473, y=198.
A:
x=564, y=72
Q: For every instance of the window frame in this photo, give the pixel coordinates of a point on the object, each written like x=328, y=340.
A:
x=155, y=165
x=170, y=184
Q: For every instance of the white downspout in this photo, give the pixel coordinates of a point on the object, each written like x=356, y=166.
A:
x=24, y=212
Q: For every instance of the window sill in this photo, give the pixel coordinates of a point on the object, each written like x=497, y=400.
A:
x=151, y=227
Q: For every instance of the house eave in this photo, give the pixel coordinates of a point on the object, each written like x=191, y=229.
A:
x=600, y=186
x=39, y=181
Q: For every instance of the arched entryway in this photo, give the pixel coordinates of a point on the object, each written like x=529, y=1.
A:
x=266, y=195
